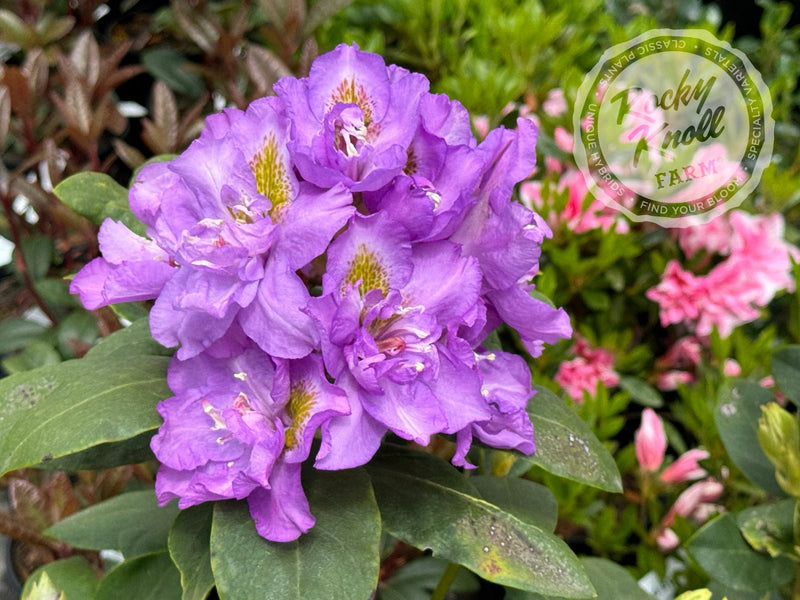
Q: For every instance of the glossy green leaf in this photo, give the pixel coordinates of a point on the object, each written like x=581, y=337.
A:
x=528, y=501
x=566, y=446
x=611, y=581
x=132, y=523
x=786, y=372
x=737, y=413
x=769, y=527
x=427, y=503
x=149, y=576
x=189, y=547
x=641, y=392
x=74, y=577
x=103, y=456
x=417, y=580
x=723, y=553
x=134, y=339
x=63, y=409
x=97, y=196
x=337, y=558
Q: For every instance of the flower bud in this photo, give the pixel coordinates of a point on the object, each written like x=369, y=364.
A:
x=779, y=436
x=650, y=441
x=685, y=467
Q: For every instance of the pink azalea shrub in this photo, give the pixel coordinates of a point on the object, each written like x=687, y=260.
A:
x=756, y=265
x=590, y=367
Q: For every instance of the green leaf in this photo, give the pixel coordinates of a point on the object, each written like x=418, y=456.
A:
x=74, y=577
x=566, y=446
x=641, y=392
x=63, y=409
x=134, y=339
x=13, y=29
x=769, y=527
x=189, y=548
x=131, y=311
x=786, y=371
x=611, y=581
x=148, y=576
x=132, y=523
x=76, y=332
x=429, y=504
x=18, y=333
x=719, y=548
x=104, y=456
x=736, y=415
x=417, y=580
x=97, y=196
x=337, y=558
x=168, y=65
x=528, y=501
x=36, y=354
x=321, y=12
x=38, y=252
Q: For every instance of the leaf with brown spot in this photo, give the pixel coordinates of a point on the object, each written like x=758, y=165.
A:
x=429, y=504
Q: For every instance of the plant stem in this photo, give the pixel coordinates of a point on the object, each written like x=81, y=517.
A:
x=19, y=258
x=445, y=581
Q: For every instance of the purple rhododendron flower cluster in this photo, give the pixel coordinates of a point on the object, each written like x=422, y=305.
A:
x=330, y=260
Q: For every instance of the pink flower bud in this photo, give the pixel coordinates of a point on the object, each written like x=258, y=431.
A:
x=563, y=139
x=667, y=540
x=694, y=501
x=685, y=468
x=481, y=125
x=650, y=441
x=731, y=368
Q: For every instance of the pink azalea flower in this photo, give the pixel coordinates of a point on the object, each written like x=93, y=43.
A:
x=758, y=265
x=590, y=367
x=759, y=248
x=563, y=139
x=650, y=441
x=683, y=353
x=679, y=295
x=555, y=105
x=553, y=165
x=714, y=237
x=670, y=380
x=685, y=468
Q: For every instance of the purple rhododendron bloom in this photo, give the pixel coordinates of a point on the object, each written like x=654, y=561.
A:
x=352, y=118
x=329, y=263
x=239, y=426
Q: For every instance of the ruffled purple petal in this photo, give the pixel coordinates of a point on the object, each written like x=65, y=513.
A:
x=352, y=439
x=535, y=320
x=281, y=513
x=276, y=321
